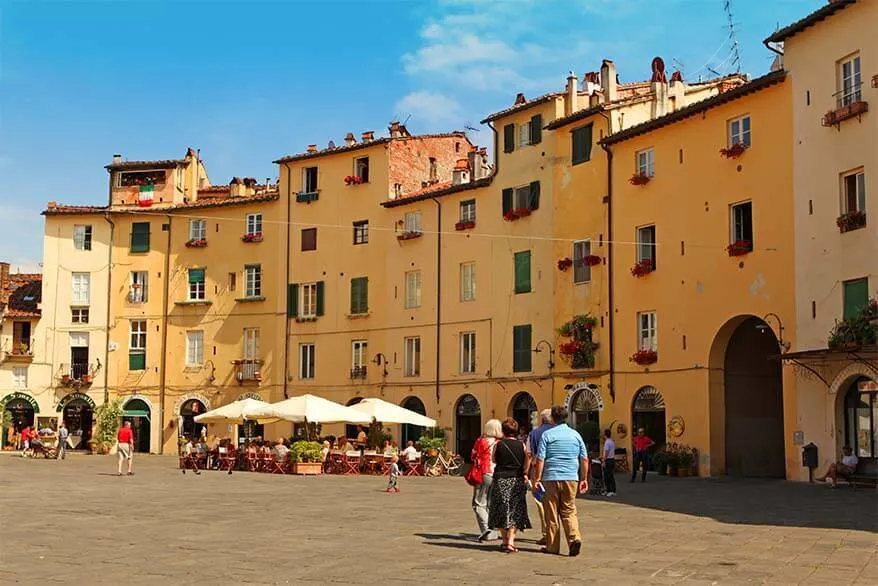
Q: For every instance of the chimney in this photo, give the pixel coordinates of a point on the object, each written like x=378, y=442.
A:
x=394, y=129
x=117, y=159
x=236, y=187
x=368, y=136
x=460, y=174
x=570, y=105
x=608, y=80
x=4, y=283
x=312, y=148
x=349, y=139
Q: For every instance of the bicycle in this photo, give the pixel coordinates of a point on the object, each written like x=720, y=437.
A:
x=444, y=463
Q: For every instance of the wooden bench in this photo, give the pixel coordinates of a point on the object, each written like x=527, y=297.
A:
x=866, y=473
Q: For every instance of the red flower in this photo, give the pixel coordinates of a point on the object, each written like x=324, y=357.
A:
x=571, y=347
x=591, y=260
x=564, y=264
x=639, y=179
x=510, y=216
x=739, y=247
x=734, y=151
x=522, y=212
x=464, y=225
x=644, y=357
x=642, y=268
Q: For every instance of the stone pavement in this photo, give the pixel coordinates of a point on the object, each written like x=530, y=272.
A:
x=75, y=522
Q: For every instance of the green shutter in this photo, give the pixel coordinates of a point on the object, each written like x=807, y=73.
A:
x=196, y=275
x=521, y=348
x=292, y=300
x=320, y=294
x=507, y=200
x=137, y=361
x=360, y=295
x=582, y=143
x=536, y=129
x=856, y=296
x=509, y=138
x=140, y=237
x=522, y=272
x=534, y=200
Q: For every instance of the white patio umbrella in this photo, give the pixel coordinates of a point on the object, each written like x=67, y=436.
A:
x=313, y=409
x=237, y=412
x=385, y=412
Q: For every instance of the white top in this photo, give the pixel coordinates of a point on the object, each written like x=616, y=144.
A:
x=850, y=461
x=610, y=449
x=410, y=453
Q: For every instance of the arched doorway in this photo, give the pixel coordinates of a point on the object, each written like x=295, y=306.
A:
x=522, y=408
x=188, y=411
x=351, y=431
x=139, y=413
x=648, y=412
x=861, y=417
x=468, y=420
x=585, y=405
x=411, y=433
x=753, y=402
x=79, y=417
x=22, y=410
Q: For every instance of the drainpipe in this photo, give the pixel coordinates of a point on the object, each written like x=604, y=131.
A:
x=438, y=289
x=772, y=49
x=109, y=297
x=610, y=260
x=496, y=147
x=163, y=365
x=287, y=288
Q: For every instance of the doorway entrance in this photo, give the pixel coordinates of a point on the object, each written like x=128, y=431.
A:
x=523, y=408
x=585, y=409
x=861, y=418
x=408, y=432
x=22, y=410
x=648, y=412
x=79, y=417
x=138, y=413
x=351, y=431
x=250, y=430
x=188, y=411
x=468, y=425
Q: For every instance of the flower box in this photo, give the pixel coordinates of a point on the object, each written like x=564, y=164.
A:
x=65, y=379
x=409, y=235
x=522, y=212
x=86, y=379
x=644, y=357
x=353, y=180
x=739, y=247
x=639, y=179
x=464, y=226
x=734, y=151
x=513, y=215
x=642, y=268
x=306, y=197
x=838, y=115
x=510, y=216
x=564, y=264
x=592, y=260
x=196, y=243
x=851, y=221
x=255, y=237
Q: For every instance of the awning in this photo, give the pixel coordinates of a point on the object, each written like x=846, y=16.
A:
x=136, y=413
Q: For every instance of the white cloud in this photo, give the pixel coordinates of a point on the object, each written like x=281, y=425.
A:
x=432, y=109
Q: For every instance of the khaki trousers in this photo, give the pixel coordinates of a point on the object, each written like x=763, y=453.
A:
x=560, y=502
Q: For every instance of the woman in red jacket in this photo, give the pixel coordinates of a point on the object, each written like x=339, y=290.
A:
x=483, y=457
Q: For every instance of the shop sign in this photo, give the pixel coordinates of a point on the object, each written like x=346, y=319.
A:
x=255, y=396
x=868, y=386
x=73, y=397
x=591, y=395
x=20, y=396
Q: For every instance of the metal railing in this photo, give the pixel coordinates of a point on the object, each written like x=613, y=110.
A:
x=358, y=372
x=80, y=372
x=849, y=95
x=248, y=369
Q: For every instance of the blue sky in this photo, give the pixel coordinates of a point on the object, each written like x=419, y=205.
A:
x=247, y=82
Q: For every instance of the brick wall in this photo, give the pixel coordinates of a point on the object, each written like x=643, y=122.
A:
x=409, y=159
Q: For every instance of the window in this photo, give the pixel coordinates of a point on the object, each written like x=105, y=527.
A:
x=309, y=239
x=528, y=133
x=739, y=131
x=413, y=222
x=81, y=285
x=851, y=81
x=309, y=180
x=79, y=315
x=19, y=377
x=139, y=292
x=254, y=224
x=308, y=299
x=412, y=359
x=137, y=345
x=468, y=210
x=82, y=237
x=468, y=352
x=854, y=192
x=646, y=332
x=359, y=295
x=140, y=237
x=306, y=361
x=646, y=245
x=582, y=143
x=253, y=280
x=412, y=289
x=509, y=138
x=361, y=169
x=521, y=198
x=581, y=270
x=521, y=348
x=522, y=272
x=359, y=356
x=524, y=197
x=197, y=229
x=646, y=162
x=196, y=285
x=195, y=348
x=467, y=281
x=251, y=344
x=742, y=224
x=523, y=135
x=855, y=297
x=361, y=232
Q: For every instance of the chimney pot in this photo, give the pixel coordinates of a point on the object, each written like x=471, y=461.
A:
x=117, y=159
x=349, y=139
x=571, y=105
x=609, y=80
x=312, y=148
x=368, y=136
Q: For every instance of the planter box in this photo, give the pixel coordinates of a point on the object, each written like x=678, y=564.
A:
x=409, y=235
x=308, y=468
x=739, y=248
x=851, y=221
x=834, y=117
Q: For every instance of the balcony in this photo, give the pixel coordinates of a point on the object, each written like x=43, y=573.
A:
x=358, y=372
x=307, y=196
x=77, y=375
x=21, y=351
x=248, y=370
x=409, y=235
x=849, y=103
x=851, y=221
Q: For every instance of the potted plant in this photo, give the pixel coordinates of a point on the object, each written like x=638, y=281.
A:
x=107, y=417
x=851, y=221
x=196, y=243
x=432, y=441
x=644, y=357
x=253, y=237
x=65, y=379
x=673, y=462
x=522, y=212
x=642, y=268
x=739, y=247
x=86, y=379
x=734, y=151
x=307, y=458
x=464, y=225
x=564, y=264
x=639, y=179
x=684, y=462
x=510, y=216
x=591, y=260
x=660, y=463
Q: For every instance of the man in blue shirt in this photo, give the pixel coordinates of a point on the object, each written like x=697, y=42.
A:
x=533, y=442
x=561, y=470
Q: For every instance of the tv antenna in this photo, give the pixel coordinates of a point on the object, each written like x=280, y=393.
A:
x=735, y=56
x=470, y=127
x=678, y=65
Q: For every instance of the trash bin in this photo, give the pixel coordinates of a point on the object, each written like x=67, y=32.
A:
x=809, y=459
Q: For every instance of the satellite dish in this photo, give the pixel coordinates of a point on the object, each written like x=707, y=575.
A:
x=331, y=144
x=658, y=70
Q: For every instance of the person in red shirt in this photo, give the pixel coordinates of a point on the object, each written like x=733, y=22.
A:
x=24, y=441
x=642, y=443
x=125, y=447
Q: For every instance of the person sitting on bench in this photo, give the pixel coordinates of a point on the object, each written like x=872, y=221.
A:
x=842, y=469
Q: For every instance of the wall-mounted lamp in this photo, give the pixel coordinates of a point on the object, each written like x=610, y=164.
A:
x=537, y=350
x=763, y=327
x=381, y=360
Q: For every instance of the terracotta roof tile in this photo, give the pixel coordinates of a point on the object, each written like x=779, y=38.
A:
x=206, y=202
x=523, y=106
x=54, y=209
x=446, y=189
x=818, y=15
x=132, y=165
x=426, y=190
x=364, y=145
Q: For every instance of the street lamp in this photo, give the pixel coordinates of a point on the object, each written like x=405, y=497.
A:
x=537, y=350
x=784, y=345
x=381, y=360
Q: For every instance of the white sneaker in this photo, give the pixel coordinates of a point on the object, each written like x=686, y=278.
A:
x=611, y=494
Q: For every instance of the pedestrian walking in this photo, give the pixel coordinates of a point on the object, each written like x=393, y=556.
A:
x=533, y=441
x=608, y=462
x=642, y=443
x=483, y=457
x=125, y=446
x=63, y=434
x=508, y=510
x=394, y=474
x=561, y=471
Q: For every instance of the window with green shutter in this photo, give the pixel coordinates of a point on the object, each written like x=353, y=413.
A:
x=137, y=361
x=522, y=272
x=360, y=295
x=140, y=237
x=292, y=300
x=521, y=348
x=320, y=297
x=536, y=129
x=507, y=200
x=856, y=296
x=582, y=143
x=509, y=138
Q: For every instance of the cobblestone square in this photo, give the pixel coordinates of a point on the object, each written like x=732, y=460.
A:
x=75, y=522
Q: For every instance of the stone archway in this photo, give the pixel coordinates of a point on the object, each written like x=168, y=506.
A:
x=468, y=424
x=648, y=412
x=584, y=404
x=411, y=433
x=138, y=410
x=521, y=409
